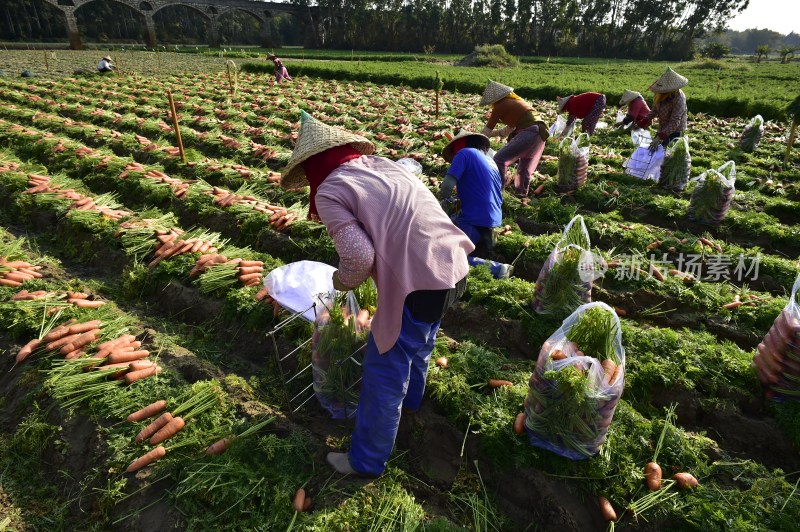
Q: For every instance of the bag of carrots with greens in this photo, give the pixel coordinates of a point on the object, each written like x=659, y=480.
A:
x=712, y=197
x=751, y=135
x=676, y=166
x=577, y=383
x=777, y=361
x=340, y=333
x=573, y=162
x=565, y=281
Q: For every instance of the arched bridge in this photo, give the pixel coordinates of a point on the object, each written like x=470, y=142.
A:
x=210, y=9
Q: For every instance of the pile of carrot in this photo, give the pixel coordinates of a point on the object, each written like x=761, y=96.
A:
x=170, y=244
x=84, y=151
x=265, y=153
x=249, y=272
x=16, y=272
x=7, y=166
x=178, y=186
x=229, y=142
x=146, y=144
x=41, y=185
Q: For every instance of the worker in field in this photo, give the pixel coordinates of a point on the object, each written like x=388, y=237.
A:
x=474, y=175
x=637, y=110
x=669, y=107
x=387, y=225
x=587, y=106
x=105, y=65
x=281, y=74
x=524, y=128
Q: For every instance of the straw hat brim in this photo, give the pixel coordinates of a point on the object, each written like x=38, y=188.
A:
x=562, y=102
x=668, y=82
x=447, y=152
x=628, y=96
x=494, y=92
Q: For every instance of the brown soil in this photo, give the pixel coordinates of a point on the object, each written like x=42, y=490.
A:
x=465, y=321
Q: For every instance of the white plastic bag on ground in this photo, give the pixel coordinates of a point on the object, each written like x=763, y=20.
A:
x=558, y=127
x=411, y=165
x=577, y=383
x=299, y=285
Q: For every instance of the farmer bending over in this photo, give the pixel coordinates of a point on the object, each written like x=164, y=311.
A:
x=105, y=65
x=669, y=106
x=280, y=71
x=637, y=110
x=480, y=194
x=526, y=134
x=386, y=225
x=587, y=106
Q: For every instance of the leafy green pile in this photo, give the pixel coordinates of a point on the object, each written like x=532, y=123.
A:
x=676, y=166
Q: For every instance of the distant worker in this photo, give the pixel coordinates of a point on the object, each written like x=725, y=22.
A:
x=525, y=130
x=474, y=175
x=637, y=110
x=105, y=65
x=587, y=106
x=669, y=106
x=280, y=71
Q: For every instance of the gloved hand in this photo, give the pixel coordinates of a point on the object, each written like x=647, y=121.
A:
x=654, y=145
x=337, y=284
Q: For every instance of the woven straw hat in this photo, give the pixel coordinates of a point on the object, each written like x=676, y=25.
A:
x=494, y=92
x=562, y=102
x=447, y=152
x=668, y=82
x=315, y=137
x=628, y=97
x=106, y=57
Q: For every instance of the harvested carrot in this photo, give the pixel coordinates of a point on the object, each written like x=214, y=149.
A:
x=81, y=341
x=220, y=446
x=249, y=276
x=299, y=499
x=136, y=365
x=74, y=354
x=251, y=263
x=134, y=376
x=653, y=245
x=127, y=356
x=655, y=272
x=608, y=512
x=609, y=369
x=519, y=423
x=558, y=354
x=620, y=311
x=77, y=295
x=27, y=349
x=733, y=305
x=62, y=341
x=147, y=459
x=84, y=327
x=652, y=475
x=441, y=362
x=154, y=427
x=307, y=504
x=245, y=270
x=496, y=383
x=148, y=411
x=9, y=282
x=85, y=303
x=56, y=334
x=538, y=190
x=167, y=431
x=685, y=481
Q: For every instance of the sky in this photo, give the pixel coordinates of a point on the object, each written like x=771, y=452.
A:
x=780, y=15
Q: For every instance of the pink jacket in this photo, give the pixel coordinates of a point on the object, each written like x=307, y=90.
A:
x=416, y=246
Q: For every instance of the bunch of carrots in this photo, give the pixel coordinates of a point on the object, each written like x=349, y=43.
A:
x=41, y=185
x=79, y=299
x=84, y=151
x=265, y=153
x=777, y=362
x=280, y=217
x=7, y=166
x=249, y=272
x=16, y=272
x=170, y=244
x=146, y=144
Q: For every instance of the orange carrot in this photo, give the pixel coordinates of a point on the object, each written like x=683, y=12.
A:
x=519, y=423
x=134, y=376
x=608, y=512
x=652, y=475
x=558, y=354
x=655, y=272
x=27, y=349
x=9, y=282
x=154, y=427
x=148, y=411
x=685, y=481
x=496, y=383
x=147, y=459
x=56, y=334
x=81, y=341
x=538, y=190
x=83, y=327
x=220, y=447
x=144, y=363
x=441, y=362
x=609, y=368
x=74, y=354
x=62, y=341
x=299, y=499
x=85, y=303
x=733, y=305
x=167, y=431
x=244, y=270
x=653, y=245
x=251, y=263
x=249, y=276
x=620, y=311
x=127, y=356
x=307, y=504
x=77, y=295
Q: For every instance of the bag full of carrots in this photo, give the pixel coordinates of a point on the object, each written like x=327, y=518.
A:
x=777, y=361
x=565, y=280
x=712, y=197
x=340, y=334
x=573, y=162
x=676, y=166
x=751, y=135
x=577, y=383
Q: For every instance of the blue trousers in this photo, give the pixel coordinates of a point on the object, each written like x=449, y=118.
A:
x=390, y=382
x=480, y=247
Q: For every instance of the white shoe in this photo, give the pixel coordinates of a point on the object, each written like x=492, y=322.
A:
x=505, y=271
x=341, y=463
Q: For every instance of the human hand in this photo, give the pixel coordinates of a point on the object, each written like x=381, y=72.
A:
x=654, y=145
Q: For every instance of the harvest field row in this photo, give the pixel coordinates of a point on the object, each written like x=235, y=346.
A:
x=106, y=143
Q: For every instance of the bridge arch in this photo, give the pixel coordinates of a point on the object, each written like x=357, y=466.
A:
x=111, y=21
x=240, y=25
x=182, y=24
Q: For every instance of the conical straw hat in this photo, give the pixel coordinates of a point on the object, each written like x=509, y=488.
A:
x=447, y=152
x=494, y=92
x=316, y=137
x=628, y=97
x=562, y=102
x=668, y=82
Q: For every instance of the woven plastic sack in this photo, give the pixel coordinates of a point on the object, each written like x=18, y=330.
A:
x=712, y=197
x=676, y=166
x=642, y=163
x=777, y=362
x=336, y=353
x=752, y=134
x=565, y=281
x=573, y=162
x=572, y=394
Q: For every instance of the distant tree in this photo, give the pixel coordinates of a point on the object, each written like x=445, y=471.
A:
x=787, y=53
x=762, y=50
x=715, y=50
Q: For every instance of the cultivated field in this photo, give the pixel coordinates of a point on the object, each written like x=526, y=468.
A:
x=92, y=185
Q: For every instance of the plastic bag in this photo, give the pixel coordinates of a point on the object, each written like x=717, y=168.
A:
x=411, y=165
x=577, y=383
x=565, y=281
x=296, y=286
x=677, y=166
x=573, y=162
x=751, y=135
x=558, y=127
x=777, y=362
x=712, y=197
x=340, y=332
